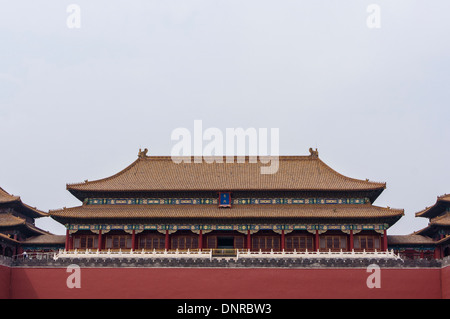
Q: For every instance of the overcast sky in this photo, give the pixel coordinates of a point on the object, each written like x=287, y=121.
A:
x=78, y=103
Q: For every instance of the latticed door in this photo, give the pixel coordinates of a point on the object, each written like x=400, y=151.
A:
x=266, y=243
x=333, y=243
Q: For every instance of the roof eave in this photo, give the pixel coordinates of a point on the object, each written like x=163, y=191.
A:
x=82, y=194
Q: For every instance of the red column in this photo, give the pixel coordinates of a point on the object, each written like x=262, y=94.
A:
x=385, y=242
x=19, y=250
x=282, y=239
x=351, y=240
x=437, y=252
x=133, y=240
x=200, y=240
x=70, y=242
x=66, y=247
x=99, y=240
x=167, y=240
x=249, y=241
x=316, y=240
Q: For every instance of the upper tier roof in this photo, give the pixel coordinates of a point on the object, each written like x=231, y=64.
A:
x=161, y=173
x=7, y=198
x=14, y=201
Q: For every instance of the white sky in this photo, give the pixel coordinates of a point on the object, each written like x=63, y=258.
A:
x=77, y=104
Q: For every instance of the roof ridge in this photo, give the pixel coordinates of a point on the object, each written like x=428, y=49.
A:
x=350, y=178
x=11, y=197
x=224, y=157
x=444, y=197
x=109, y=177
x=392, y=208
x=423, y=211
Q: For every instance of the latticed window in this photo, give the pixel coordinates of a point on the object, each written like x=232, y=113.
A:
x=266, y=243
x=211, y=242
x=184, y=242
x=151, y=242
x=368, y=242
x=85, y=242
x=299, y=243
x=118, y=242
x=333, y=242
x=239, y=242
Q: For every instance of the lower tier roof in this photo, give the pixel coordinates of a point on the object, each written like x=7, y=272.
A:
x=412, y=239
x=46, y=239
x=212, y=212
x=9, y=221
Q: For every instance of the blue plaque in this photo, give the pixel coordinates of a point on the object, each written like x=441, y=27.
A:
x=224, y=199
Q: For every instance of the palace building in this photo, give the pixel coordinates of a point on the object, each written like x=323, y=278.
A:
x=431, y=242
x=18, y=232
x=157, y=204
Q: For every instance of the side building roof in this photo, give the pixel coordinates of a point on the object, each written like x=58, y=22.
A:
x=46, y=239
x=7, y=200
x=442, y=204
x=408, y=240
x=435, y=224
x=8, y=221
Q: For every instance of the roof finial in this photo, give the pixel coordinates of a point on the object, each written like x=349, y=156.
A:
x=314, y=153
x=142, y=154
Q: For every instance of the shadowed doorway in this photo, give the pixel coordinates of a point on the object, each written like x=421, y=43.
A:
x=225, y=242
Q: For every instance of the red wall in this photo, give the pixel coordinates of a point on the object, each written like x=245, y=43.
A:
x=236, y=283
x=5, y=276
x=445, y=278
